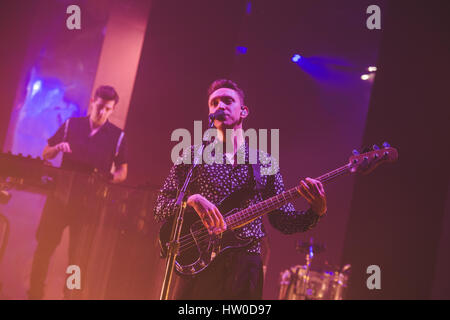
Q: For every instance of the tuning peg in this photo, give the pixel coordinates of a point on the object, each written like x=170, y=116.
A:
x=355, y=152
x=375, y=147
x=386, y=145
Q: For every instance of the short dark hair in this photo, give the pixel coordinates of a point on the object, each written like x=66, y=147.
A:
x=225, y=83
x=107, y=93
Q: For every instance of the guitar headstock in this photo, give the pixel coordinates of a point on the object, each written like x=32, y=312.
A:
x=368, y=161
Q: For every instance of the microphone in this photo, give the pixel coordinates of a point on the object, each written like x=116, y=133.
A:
x=218, y=115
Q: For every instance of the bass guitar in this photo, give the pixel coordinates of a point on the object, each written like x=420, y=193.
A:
x=197, y=248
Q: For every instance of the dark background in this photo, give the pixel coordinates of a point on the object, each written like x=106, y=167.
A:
x=397, y=217
x=320, y=116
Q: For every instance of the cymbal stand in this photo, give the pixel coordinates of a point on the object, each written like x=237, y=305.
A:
x=309, y=257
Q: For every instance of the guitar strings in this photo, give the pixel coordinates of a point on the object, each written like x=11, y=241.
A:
x=188, y=241
x=238, y=221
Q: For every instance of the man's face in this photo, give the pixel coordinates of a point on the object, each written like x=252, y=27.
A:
x=101, y=110
x=229, y=101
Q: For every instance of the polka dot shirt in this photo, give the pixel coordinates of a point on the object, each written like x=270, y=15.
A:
x=216, y=181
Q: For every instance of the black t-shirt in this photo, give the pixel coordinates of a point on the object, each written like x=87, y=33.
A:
x=106, y=146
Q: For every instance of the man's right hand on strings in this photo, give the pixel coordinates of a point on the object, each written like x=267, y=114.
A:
x=209, y=214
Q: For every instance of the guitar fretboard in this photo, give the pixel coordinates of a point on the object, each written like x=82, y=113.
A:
x=249, y=214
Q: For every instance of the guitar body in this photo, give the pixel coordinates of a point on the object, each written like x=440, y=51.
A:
x=197, y=247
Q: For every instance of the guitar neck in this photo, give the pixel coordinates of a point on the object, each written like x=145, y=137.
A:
x=249, y=214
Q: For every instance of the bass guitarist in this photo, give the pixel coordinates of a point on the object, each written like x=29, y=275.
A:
x=238, y=273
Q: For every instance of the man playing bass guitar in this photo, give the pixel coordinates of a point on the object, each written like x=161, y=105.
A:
x=236, y=273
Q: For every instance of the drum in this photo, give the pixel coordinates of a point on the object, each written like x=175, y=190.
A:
x=295, y=284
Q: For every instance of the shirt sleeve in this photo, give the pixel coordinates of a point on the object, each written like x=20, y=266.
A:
x=58, y=136
x=167, y=196
x=122, y=155
x=286, y=219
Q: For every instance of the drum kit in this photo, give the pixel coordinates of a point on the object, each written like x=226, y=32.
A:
x=300, y=282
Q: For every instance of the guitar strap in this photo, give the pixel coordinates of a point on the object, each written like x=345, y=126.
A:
x=119, y=142
x=66, y=129
x=259, y=187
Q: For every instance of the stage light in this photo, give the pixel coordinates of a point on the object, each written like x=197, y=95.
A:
x=248, y=8
x=372, y=69
x=296, y=58
x=241, y=50
x=365, y=77
x=36, y=87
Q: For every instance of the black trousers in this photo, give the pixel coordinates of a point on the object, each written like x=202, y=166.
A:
x=56, y=216
x=233, y=275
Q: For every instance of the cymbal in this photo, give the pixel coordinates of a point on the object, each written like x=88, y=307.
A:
x=305, y=247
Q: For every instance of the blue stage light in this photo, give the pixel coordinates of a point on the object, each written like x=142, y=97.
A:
x=36, y=87
x=241, y=50
x=296, y=58
x=248, y=8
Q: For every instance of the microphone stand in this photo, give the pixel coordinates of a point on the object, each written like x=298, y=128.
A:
x=174, y=243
